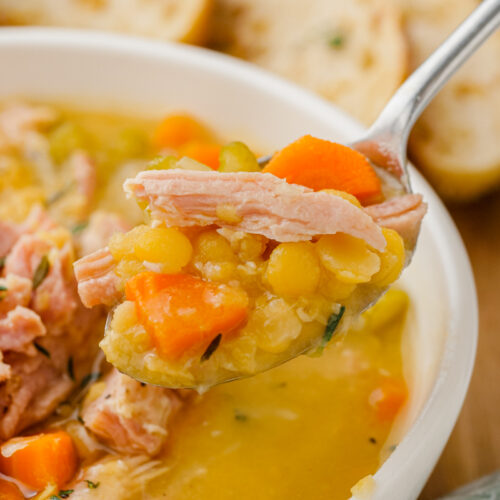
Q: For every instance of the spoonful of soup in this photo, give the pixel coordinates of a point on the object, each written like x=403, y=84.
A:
x=242, y=269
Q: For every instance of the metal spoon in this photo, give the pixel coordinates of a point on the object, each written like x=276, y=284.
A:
x=385, y=142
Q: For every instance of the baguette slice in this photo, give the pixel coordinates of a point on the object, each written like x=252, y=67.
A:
x=456, y=141
x=177, y=20
x=353, y=53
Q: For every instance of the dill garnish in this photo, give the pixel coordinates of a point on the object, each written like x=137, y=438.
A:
x=212, y=347
x=78, y=228
x=2, y=290
x=336, y=41
x=91, y=484
x=41, y=349
x=241, y=417
x=71, y=371
x=331, y=325
x=59, y=194
x=41, y=272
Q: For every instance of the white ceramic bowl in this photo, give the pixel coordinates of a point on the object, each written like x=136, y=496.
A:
x=148, y=78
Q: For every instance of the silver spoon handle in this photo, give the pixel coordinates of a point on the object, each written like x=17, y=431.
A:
x=392, y=127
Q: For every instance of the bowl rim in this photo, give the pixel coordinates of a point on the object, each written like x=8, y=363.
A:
x=456, y=365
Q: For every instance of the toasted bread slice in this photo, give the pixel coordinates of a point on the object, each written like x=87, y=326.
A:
x=353, y=53
x=456, y=142
x=179, y=20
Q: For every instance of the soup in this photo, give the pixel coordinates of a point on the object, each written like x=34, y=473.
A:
x=311, y=428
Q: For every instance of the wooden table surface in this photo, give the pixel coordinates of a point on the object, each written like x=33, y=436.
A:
x=474, y=446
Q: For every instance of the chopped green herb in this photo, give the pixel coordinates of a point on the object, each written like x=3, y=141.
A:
x=393, y=447
x=65, y=493
x=71, y=371
x=91, y=484
x=336, y=41
x=212, y=347
x=41, y=349
x=78, y=228
x=80, y=419
x=54, y=497
x=59, y=194
x=2, y=262
x=41, y=272
x=90, y=377
x=241, y=417
x=2, y=289
x=331, y=325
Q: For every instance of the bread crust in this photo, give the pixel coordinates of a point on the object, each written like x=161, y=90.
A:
x=455, y=142
x=176, y=20
x=353, y=53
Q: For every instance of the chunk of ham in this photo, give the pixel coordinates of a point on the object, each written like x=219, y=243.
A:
x=56, y=298
x=131, y=417
x=35, y=379
x=18, y=292
x=16, y=120
x=9, y=234
x=250, y=202
x=25, y=255
x=404, y=214
x=97, y=281
x=19, y=328
x=31, y=392
x=102, y=225
x=85, y=174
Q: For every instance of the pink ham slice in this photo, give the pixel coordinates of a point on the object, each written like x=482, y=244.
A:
x=404, y=214
x=9, y=233
x=18, y=292
x=263, y=203
x=35, y=377
x=18, y=330
x=131, y=417
x=102, y=225
x=97, y=281
x=85, y=174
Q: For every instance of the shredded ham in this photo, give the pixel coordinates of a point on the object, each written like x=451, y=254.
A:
x=97, y=281
x=404, y=214
x=102, y=225
x=257, y=203
x=34, y=377
x=131, y=417
x=18, y=330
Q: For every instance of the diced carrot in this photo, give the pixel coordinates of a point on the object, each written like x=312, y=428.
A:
x=321, y=164
x=40, y=460
x=9, y=491
x=388, y=398
x=184, y=313
x=204, y=152
x=176, y=130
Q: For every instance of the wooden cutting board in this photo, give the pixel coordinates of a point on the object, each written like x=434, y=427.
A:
x=474, y=447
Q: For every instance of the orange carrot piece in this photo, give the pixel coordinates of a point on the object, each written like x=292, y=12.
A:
x=204, y=152
x=183, y=313
x=321, y=164
x=9, y=491
x=40, y=460
x=176, y=130
x=388, y=398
